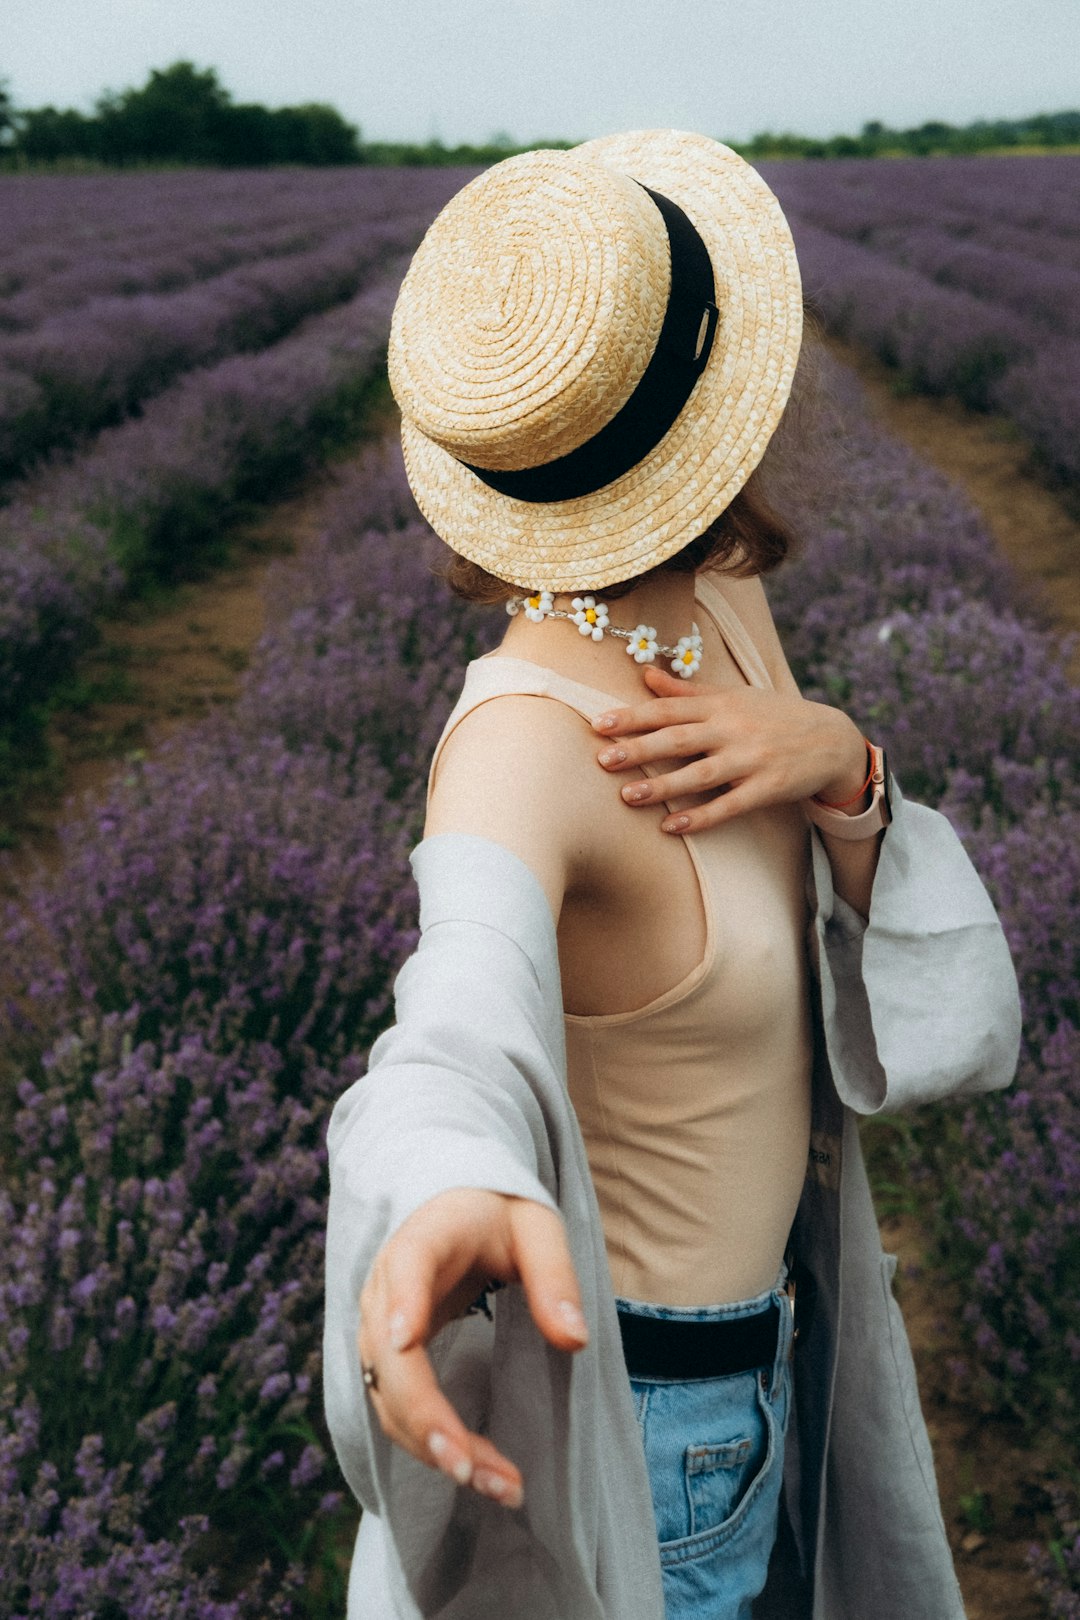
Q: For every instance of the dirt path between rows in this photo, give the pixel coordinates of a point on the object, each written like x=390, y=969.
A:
x=168, y=667
x=155, y=670
x=159, y=668
x=989, y=460
x=992, y=1480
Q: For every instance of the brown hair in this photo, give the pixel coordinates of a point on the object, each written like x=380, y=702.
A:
x=752, y=535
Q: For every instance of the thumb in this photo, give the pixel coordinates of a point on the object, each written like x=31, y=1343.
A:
x=542, y=1256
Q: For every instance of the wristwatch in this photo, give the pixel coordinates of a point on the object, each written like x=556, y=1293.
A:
x=871, y=820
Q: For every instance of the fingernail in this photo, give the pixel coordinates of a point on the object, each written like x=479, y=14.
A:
x=489, y=1484
x=440, y=1449
x=602, y=721
x=399, y=1335
x=676, y=825
x=612, y=756
x=634, y=795
x=572, y=1319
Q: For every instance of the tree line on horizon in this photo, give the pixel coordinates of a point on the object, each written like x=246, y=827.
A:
x=185, y=115
x=182, y=115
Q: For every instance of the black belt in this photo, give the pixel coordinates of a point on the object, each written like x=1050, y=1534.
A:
x=658, y=1347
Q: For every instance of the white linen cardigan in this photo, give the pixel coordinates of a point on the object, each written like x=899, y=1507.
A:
x=468, y=1088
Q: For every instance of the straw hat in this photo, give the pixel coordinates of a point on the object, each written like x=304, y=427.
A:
x=591, y=350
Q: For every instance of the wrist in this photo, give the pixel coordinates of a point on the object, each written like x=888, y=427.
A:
x=850, y=789
x=856, y=819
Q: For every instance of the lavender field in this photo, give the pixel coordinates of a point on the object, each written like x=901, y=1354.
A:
x=963, y=273
x=148, y=396
x=184, y=999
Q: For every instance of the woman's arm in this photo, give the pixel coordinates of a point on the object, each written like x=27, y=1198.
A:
x=758, y=747
x=854, y=861
x=467, y=1089
x=442, y=1084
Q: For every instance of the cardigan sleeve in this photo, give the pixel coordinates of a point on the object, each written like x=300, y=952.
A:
x=468, y=1088
x=920, y=1001
x=452, y=1097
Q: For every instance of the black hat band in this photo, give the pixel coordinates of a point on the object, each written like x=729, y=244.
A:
x=681, y=353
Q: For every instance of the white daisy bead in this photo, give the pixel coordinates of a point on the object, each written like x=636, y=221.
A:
x=590, y=616
x=538, y=606
x=687, y=660
x=643, y=646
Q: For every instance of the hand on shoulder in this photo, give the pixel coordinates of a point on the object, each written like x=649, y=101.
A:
x=751, y=745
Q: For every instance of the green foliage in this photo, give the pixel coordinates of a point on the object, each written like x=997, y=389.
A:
x=183, y=114
x=46, y=135
x=7, y=112
x=175, y=115
x=887, y=1141
x=433, y=154
x=977, y=1511
x=878, y=140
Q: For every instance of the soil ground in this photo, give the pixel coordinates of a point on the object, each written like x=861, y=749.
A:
x=986, y=456
x=158, y=669
x=991, y=1479
x=163, y=663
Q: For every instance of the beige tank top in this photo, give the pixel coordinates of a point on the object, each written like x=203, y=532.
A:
x=695, y=1108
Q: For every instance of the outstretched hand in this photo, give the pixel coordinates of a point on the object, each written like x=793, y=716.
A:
x=425, y=1275
x=753, y=746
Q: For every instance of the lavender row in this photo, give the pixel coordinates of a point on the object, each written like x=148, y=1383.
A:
x=1047, y=294
x=88, y=367
x=238, y=911
x=249, y=906
x=73, y=237
x=908, y=621
x=150, y=495
x=49, y=280
x=963, y=279
x=1034, y=198
x=1042, y=396
x=901, y=611
x=943, y=340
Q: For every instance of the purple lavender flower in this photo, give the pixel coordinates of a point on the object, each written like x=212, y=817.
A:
x=964, y=273
x=183, y=1004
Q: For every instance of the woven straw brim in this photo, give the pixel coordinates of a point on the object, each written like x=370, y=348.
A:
x=694, y=472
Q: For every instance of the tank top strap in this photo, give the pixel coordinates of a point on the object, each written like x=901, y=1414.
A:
x=497, y=675
x=503, y=676
x=734, y=632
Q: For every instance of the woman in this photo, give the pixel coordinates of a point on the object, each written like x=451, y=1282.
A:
x=618, y=1078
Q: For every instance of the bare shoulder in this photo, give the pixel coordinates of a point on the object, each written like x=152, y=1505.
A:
x=521, y=770
x=747, y=597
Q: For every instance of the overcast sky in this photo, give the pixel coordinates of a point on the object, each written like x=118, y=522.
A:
x=462, y=70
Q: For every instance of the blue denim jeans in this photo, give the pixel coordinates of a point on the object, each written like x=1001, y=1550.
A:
x=715, y=1454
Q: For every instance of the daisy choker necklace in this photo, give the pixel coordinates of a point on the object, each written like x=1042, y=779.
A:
x=591, y=618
